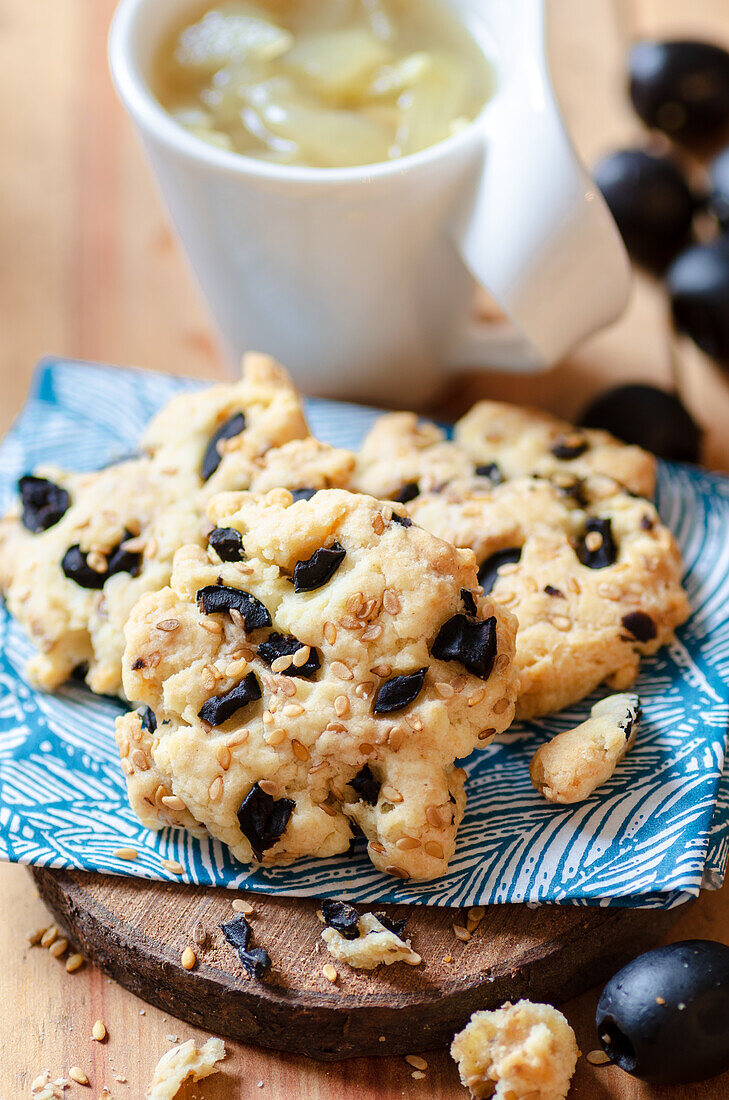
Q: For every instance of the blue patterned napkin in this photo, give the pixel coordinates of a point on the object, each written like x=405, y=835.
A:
x=651, y=837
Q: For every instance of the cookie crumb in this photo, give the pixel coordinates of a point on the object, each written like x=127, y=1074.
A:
x=180, y=1064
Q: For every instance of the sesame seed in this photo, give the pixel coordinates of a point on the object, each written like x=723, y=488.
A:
x=301, y=656
x=330, y=633
x=378, y=523
x=416, y=1061
x=58, y=948
x=188, y=958
x=561, y=622
x=98, y=1031
x=395, y=737
x=237, y=618
x=74, y=962
x=377, y=847
x=477, y=912
x=173, y=866
x=223, y=756
x=407, y=843
x=172, y=802
x=433, y=817
x=282, y=663
x=372, y=632
x=77, y=1074
x=397, y=872
x=501, y=705
x=390, y=793
x=390, y=601
x=199, y=934
x=211, y=626
x=36, y=937
x=292, y=710
x=593, y=541
x=434, y=849
x=461, y=933
x=129, y=854
x=484, y=735
x=215, y=790
x=598, y=1058
x=242, y=906
x=168, y=625
x=275, y=737
x=238, y=738
x=139, y=760
x=382, y=670
x=348, y=622
x=330, y=972
x=444, y=690
x=477, y=697
x=96, y=561
x=413, y=959
x=269, y=787
x=341, y=671
x=341, y=706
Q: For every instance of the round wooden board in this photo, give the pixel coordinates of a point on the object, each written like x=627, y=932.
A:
x=136, y=932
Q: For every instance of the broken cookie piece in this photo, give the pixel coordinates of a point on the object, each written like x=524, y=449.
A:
x=375, y=944
x=184, y=1062
x=575, y=763
x=522, y=1051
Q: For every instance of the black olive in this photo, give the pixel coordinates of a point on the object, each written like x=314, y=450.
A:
x=640, y=625
x=44, y=503
x=719, y=188
x=605, y=552
x=651, y=203
x=77, y=569
x=407, y=493
x=211, y=459
x=557, y=593
x=698, y=284
x=404, y=521
x=470, y=641
x=366, y=786
x=650, y=418
x=681, y=87
x=319, y=568
x=149, y=720
x=253, y=959
x=665, y=1016
x=215, y=599
x=227, y=543
x=399, y=692
x=392, y=924
x=303, y=494
x=489, y=569
x=491, y=472
x=263, y=819
x=219, y=708
x=343, y=918
x=570, y=446
x=124, y=561
x=281, y=645
x=468, y=601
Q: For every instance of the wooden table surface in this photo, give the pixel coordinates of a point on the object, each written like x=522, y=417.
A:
x=90, y=269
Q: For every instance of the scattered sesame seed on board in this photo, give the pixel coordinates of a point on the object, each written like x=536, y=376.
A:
x=242, y=906
x=330, y=972
x=60, y=947
x=461, y=933
x=35, y=937
x=74, y=963
x=189, y=958
x=77, y=1074
x=49, y=936
x=173, y=866
x=98, y=1031
x=416, y=1061
x=126, y=853
x=598, y=1058
x=199, y=934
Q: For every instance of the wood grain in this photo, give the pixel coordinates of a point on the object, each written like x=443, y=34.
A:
x=137, y=932
x=89, y=269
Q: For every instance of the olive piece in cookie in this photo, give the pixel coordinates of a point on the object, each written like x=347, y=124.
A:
x=489, y=570
x=317, y=570
x=470, y=641
x=44, y=503
x=404, y=521
x=596, y=548
x=75, y=566
x=399, y=692
x=392, y=924
x=366, y=786
x=640, y=625
x=255, y=960
x=215, y=599
x=212, y=457
x=570, y=446
x=491, y=471
x=343, y=918
x=149, y=720
x=220, y=708
x=121, y=560
x=468, y=601
x=303, y=494
x=283, y=645
x=263, y=819
x=227, y=543
x=407, y=493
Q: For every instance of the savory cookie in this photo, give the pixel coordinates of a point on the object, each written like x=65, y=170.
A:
x=80, y=549
x=320, y=675
x=592, y=575
x=530, y=441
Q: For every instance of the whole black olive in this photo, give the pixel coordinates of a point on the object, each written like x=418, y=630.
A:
x=681, y=87
x=719, y=188
x=698, y=284
x=648, y=417
x=651, y=203
x=665, y=1016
